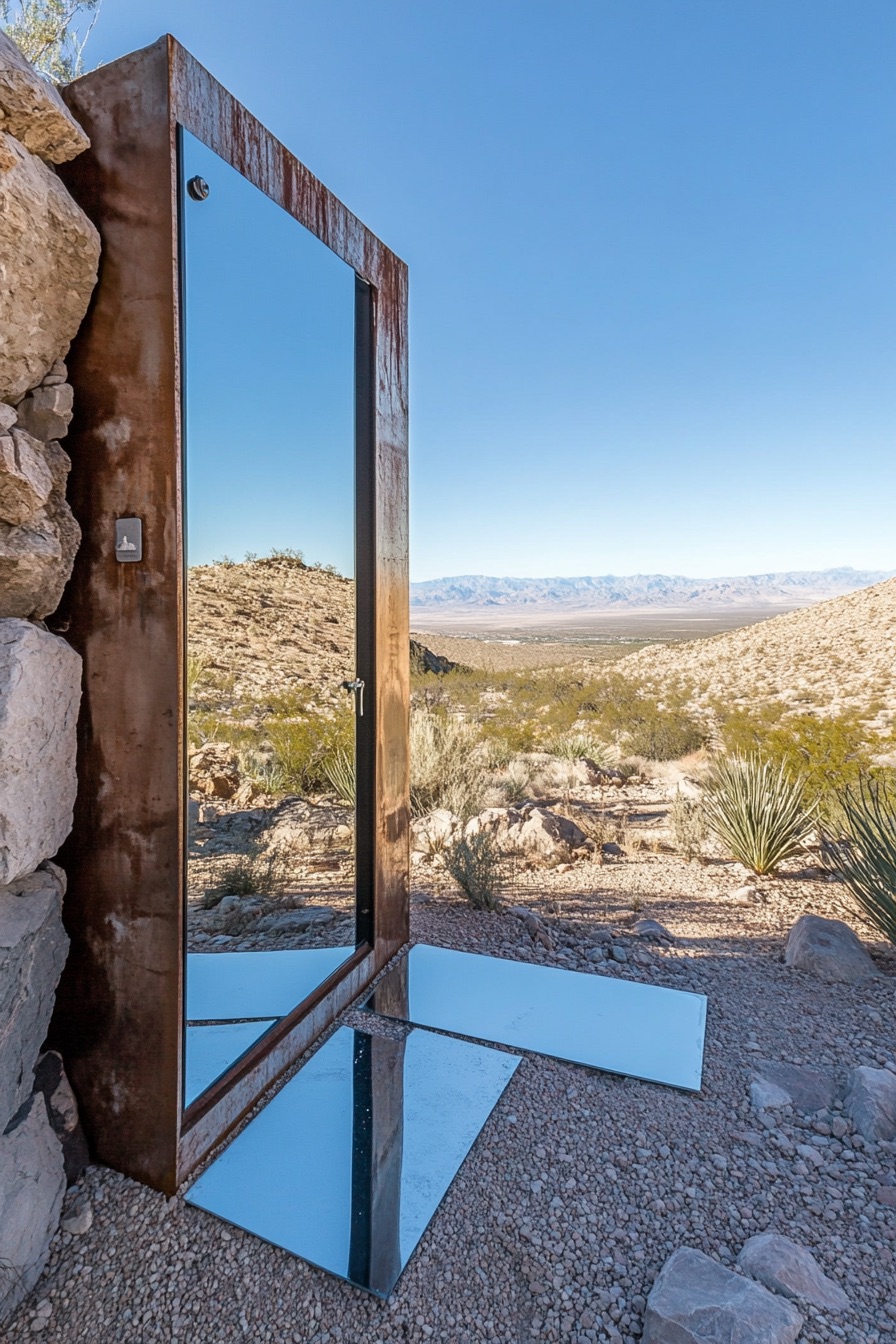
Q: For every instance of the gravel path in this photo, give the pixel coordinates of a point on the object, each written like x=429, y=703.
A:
x=581, y=1184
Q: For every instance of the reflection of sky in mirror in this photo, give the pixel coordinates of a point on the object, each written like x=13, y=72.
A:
x=269, y=377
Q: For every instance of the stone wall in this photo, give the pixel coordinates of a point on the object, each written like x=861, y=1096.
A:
x=49, y=253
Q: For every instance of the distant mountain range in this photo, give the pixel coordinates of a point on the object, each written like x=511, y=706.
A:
x=610, y=592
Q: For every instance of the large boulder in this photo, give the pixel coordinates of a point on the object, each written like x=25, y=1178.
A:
x=33, y=948
x=871, y=1102
x=214, y=771
x=50, y=252
x=788, y=1268
x=434, y=832
x=32, y=110
x=695, y=1300
x=530, y=830
x=827, y=948
x=40, y=690
x=32, y=1187
x=25, y=476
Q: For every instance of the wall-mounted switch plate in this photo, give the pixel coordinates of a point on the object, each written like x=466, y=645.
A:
x=128, y=539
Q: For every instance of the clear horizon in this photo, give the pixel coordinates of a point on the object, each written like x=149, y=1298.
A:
x=652, y=271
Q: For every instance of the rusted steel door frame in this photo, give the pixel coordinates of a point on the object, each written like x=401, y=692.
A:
x=119, y=1018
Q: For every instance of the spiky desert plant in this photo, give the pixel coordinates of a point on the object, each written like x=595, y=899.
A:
x=757, y=810
x=474, y=861
x=339, y=769
x=865, y=857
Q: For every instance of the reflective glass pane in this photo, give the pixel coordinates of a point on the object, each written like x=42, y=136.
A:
x=269, y=386
x=643, y=1031
x=392, y=1122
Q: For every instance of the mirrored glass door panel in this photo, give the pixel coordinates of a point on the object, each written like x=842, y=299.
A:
x=272, y=687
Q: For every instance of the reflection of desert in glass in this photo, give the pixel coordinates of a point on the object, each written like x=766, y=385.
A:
x=272, y=769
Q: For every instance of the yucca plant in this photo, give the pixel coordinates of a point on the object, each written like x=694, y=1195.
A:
x=758, y=811
x=339, y=769
x=865, y=856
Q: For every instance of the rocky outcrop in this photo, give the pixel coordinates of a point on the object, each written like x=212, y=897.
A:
x=695, y=1300
x=32, y=1186
x=827, y=948
x=531, y=830
x=789, y=1269
x=32, y=110
x=50, y=254
x=806, y=1089
x=33, y=947
x=40, y=689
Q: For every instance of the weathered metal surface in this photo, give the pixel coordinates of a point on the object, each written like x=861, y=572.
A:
x=120, y=1016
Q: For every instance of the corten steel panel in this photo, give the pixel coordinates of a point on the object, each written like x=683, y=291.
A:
x=119, y=1018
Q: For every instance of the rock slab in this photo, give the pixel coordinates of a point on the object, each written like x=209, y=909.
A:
x=50, y=1079
x=806, y=1089
x=871, y=1103
x=33, y=948
x=32, y=110
x=788, y=1268
x=695, y=1300
x=32, y=1187
x=40, y=691
x=829, y=949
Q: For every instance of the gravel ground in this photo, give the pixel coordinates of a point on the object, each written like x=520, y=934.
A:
x=581, y=1184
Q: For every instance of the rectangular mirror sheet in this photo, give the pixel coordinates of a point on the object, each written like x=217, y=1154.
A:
x=212, y=1048
x=272, y=681
x=346, y=1166
x=642, y=1031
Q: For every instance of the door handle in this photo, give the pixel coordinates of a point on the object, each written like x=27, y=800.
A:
x=357, y=687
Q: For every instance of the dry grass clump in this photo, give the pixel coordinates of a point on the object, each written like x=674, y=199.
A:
x=688, y=822
x=448, y=767
x=476, y=864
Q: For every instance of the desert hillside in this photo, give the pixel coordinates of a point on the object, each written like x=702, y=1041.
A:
x=271, y=626
x=834, y=655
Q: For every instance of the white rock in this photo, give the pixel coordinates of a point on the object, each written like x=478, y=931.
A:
x=32, y=1186
x=533, y=830
x=40, y=690
x=432, y=833
x=33, y=948
x=829, y=949
x=695, y=1300
x=765, y=1096
x=32, y=110
x=871, y=1102
x=47, y=411
x=8, y=417
x=789, y=1269
x=49, y=251
x=25, y=477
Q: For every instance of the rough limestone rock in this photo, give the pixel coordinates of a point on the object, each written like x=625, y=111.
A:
x=25, y=477
x=432, y=833
x=871, y=1102
x=807, y=1089
x=49, y=252
x=827, y=948
x=32, y=110
x=789, y=1269
x=214, y=771
x=36, y=558
x=40, y=690
x=529, y=830
x=767, y=1096
x=695, y=1300
x=33, y=948
x=32, y=1187
x=51, y=1081
x=47, y=411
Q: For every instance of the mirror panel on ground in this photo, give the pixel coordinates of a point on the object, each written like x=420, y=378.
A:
x=392, y=1119
x=619, y=1026
x=270, y=541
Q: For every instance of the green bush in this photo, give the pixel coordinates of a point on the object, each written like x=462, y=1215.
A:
x=865, y=854
x=475, y=864
x=448, y=767
x=306, y=749
x=757, y=810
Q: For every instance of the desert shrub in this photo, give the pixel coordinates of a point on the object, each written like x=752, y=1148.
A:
x=574, y=746
x=830, y=753
x=475, y=863
x=197, y=666
x=688, y=825
x=339, y=769
x=757, y=810
x=447, y=767
x=255, y=872
x=516, y=784
x=864, y=855
x=305, y=749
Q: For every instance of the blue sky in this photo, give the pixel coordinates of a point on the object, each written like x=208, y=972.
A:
x=652, y=262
